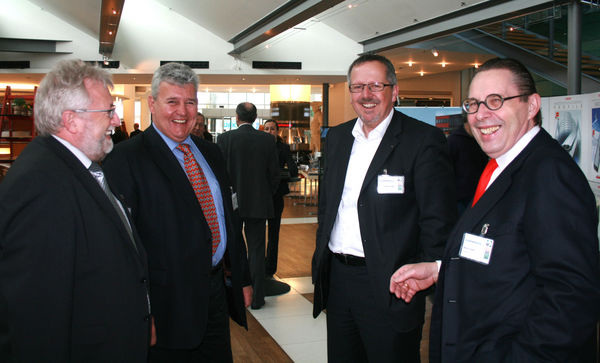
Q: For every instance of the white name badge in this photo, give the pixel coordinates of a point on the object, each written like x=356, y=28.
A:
x=234, y=201
x=390, y=184
x=476, y=248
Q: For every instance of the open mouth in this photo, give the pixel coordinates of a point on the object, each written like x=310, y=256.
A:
x=368, y=105
x=179, y=121
x=489, y=130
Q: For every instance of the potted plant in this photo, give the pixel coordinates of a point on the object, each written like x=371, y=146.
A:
x=19, y=106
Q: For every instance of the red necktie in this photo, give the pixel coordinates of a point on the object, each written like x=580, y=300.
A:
x=484, y=179
x=203, y=194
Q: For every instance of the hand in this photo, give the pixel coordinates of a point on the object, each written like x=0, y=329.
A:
x=152, y=334
x=247, y=291
x=412, y=278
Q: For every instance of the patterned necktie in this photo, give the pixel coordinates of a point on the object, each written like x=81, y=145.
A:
x=203, y=194
x=484, y=179
x=97, y=172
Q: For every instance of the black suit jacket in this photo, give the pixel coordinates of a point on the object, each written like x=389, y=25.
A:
x=73, y=288
x=176, y=235
x=396, y=228
x=538, y=299
x=252, y=162
x=288, y=166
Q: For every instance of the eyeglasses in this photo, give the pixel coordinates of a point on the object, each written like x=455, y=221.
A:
x=110, y=112
x=493, y=102
x=373, y=87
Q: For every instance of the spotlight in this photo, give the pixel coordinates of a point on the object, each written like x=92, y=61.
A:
x=435, y=52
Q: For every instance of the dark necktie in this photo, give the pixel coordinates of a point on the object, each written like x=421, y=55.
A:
x=484, y=179
x=97, y=172
x=203, y=194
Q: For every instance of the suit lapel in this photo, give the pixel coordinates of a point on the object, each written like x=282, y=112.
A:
x=339, y=158
x=167, y=162
x=474, y=216
x=390, y=140
x=92, y=186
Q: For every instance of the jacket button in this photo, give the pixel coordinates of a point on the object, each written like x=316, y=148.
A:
x=147, y=318
x=143, y=280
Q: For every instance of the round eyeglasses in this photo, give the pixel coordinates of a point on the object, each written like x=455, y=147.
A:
x=493, y=102
x=109, y=112
x=373, y=87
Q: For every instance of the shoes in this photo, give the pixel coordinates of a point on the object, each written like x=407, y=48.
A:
x=256, y=306
x=274, y=287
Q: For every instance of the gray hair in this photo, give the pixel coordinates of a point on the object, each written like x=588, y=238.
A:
x=390, y=71
x=174, y=73
x=63, y=89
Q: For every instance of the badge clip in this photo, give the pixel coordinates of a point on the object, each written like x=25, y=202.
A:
x=484, y=229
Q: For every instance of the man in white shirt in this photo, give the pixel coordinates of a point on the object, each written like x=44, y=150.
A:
x=73, y=273
x=519, y=278
x=386, y=199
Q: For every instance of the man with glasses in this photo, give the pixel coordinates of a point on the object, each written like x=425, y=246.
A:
x=519, y=278
x=181, y=201
x=386, y=199
x=73, y=274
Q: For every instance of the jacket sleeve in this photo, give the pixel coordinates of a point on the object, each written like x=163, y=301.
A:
x=37, y=259
x=560, y=230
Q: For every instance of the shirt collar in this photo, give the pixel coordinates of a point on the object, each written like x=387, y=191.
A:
x=377, y=132
x=170, y=143
x=78, y=153
x=511, y=154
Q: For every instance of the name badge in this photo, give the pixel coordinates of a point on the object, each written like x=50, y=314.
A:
x=476, y=248
x=234, y=201
x=390, y=184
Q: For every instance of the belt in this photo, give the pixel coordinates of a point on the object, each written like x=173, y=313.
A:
x=350, y=260
x=217, y=268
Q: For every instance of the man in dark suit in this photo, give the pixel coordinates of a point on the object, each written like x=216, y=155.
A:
x=252, y=162
x=387, y=198
x=519, y=278
x=181, y=201
x=136, y=130
x=73, y=274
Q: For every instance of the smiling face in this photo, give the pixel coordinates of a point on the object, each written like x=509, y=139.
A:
x=498, y=131
x=174, y=110
x=93, y=136
x=372, y=107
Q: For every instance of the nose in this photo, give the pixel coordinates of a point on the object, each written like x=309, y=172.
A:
x=115, y=120
x=482, y=111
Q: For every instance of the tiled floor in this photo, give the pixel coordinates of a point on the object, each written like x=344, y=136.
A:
x=307, y=341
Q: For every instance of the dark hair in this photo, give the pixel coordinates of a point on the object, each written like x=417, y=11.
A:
x=390, y=73
x=521, y=77
x=246, y=112
x=273, y=121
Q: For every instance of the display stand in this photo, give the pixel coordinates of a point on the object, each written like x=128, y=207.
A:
x=17, y=127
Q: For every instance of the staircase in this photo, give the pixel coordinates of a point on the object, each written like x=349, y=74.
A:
x=541, y=45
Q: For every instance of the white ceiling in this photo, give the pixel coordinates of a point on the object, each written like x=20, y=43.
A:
x=350, y=21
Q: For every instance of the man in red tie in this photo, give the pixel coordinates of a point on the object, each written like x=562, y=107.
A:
x=181, y=200
x=519, y=278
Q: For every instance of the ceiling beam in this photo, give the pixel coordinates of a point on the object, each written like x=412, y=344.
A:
x=483, y=13
x=110, y=17
x=30, y=45
x=283, y=18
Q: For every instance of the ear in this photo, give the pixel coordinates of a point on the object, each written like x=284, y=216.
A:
x=151, y=103
x=534, y=104
x=69, y=122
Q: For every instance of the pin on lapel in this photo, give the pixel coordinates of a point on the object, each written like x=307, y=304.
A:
x=484, y=229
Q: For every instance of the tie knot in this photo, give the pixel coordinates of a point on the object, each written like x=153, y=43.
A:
x=185, y=148
x=95, y=168
x=492, y=164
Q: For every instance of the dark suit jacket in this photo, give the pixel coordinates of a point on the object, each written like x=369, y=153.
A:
x=252, y=162
x=396, y=228
x=538, y=299
x=72, y=286
x=287, y=165
x=176, y=235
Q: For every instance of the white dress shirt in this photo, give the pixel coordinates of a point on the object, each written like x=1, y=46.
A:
x=345, y=235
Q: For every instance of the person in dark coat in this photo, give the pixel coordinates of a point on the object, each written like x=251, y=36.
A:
x=288, y=169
